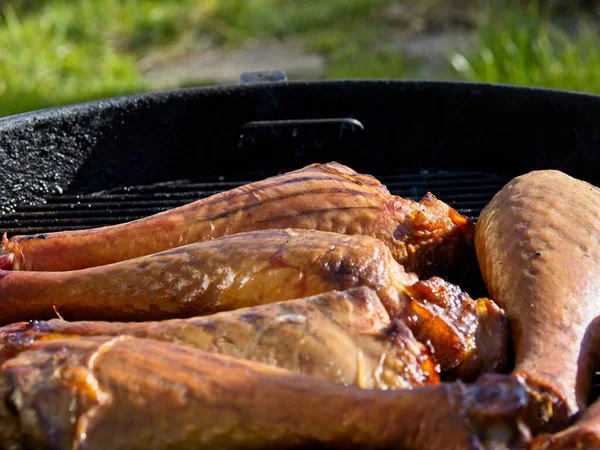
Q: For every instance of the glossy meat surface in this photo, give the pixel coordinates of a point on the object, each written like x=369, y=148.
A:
x=75, y=394
x=346, y=337
x=426, y=237
x=455, y=324
x=262, y=267
x=538, y=248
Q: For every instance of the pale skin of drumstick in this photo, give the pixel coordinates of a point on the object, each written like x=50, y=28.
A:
x=262, y=267
x=346, y=337
x=537, y=245
x=427, y=237
x=75, y=394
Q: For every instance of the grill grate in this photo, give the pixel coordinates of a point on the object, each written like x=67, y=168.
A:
x=468, y=192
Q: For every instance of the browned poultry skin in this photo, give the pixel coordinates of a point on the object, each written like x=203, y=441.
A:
x=583, y=434
x=537, y=245
x=262, y=267
x=346, y=337
x=74, y=394
x=426, y=237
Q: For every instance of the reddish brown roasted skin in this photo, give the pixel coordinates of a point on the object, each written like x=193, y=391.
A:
x=583, y=434
x=74, y=394
x=538, y=248
x=262, y=267
x=425, y=237
x=346, y=337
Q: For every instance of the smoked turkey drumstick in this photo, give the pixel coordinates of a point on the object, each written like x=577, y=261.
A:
x=346, y=337
x=261, y=267
x=75, y=394
x=538, y=246
x=425, y=237
x=583, y=434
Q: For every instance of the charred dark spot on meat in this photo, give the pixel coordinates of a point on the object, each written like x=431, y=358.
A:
x=207, y=325
x=341, y=270
x=15, y=343
x=390, y=330
x=252, y=317
x=33, y=237
x=34, y=325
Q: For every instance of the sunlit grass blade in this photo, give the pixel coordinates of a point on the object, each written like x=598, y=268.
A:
x=522, y=45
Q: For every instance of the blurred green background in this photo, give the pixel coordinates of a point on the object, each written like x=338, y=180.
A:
x=55, y=52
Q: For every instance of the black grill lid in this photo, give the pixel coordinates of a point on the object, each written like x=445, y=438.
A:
x=201, y=133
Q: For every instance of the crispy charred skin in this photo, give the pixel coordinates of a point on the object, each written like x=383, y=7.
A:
x=346, y=337
x=425, y=237
x=75, y=394
x=475, y=328
x=583, y=434
x=262, y=267
x=537, y=245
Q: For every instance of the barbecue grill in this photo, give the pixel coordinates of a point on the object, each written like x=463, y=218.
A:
x=115, y=160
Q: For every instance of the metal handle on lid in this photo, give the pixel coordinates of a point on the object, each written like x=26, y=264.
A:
x=294, y=142
x=341, y=124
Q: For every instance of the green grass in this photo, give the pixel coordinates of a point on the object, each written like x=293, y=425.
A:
x=69, y=51
x=66, y=51
x=521, y=46
x=347, y=32
x=244, y=19
x=55, y=52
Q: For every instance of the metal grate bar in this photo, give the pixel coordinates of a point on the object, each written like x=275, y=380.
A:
x=188, y=195
x=467, y=192
x=433, y=184
x=100, y=207
x=96, y=206
x=425, y=174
